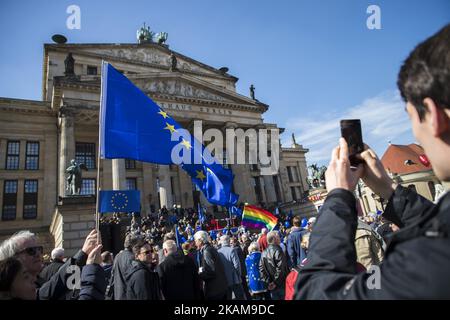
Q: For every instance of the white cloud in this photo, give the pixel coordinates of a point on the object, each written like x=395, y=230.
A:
x=383, y=119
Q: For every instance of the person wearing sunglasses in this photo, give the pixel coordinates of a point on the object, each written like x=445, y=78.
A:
x=142, y=282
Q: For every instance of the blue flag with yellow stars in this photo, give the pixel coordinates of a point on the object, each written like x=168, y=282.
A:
x=120, y=201
x=133, y=126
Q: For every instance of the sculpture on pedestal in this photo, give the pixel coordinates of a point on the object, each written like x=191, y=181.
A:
x=74, y=178
x=317, y=176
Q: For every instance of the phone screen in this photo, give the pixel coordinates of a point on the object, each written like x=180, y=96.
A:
x=351, y=132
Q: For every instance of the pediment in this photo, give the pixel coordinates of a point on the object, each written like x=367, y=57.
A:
x=150, y=54
x=183, y=86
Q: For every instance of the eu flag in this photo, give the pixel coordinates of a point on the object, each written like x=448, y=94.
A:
x=133, y=126
x=120, y=201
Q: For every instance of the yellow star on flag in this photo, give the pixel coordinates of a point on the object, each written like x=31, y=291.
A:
x=200, y=174
x=187, y=144
x=170, y=128
x=163, y=113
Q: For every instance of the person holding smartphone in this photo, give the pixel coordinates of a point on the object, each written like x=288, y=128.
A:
x=417, y=258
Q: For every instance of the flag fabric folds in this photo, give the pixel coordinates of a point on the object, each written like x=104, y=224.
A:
x=120, y=201
x=257, y=218
x=133, y=126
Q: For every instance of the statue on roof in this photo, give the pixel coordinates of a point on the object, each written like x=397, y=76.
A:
x=144, y=35
x=252, y=92
x=172, y=62
x=161, y=37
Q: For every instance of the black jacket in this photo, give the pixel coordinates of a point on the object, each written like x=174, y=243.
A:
x=142, y=283
x=273, y=266
x=179, y=277
x=242, y=257
x=417, y=258
x=56, y=287
x=50, y=270
x=117, y=283
x=93, y=283
x=213, y=273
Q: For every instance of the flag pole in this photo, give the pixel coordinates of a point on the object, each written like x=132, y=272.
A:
x=97, y=215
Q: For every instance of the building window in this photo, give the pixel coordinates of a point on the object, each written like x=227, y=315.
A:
x=9, y=200
x=130, y=164
x=30, y=198
x=85, y=153
x=293, y=174
x=32, y=156
x=277, y=188
x=258, y=190
x=131, y=184
x=91, y=70
x=88, y=187
x=12, y=155
x=294, y=194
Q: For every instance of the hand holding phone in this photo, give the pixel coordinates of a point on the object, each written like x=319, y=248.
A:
x=351, y=132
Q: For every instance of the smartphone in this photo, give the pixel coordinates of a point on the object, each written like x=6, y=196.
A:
x=351, y=132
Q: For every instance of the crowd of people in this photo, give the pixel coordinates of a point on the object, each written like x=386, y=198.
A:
x=173, y=257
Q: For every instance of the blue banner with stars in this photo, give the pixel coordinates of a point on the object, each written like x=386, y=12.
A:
x=133, y=126
x=120, y=201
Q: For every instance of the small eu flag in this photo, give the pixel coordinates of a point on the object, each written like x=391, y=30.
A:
x=120, y=201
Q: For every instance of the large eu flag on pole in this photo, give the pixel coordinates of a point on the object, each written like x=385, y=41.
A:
x=133, y=126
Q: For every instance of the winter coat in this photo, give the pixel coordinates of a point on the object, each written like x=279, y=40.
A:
x=56, y=287
x=294, y=246
x=273, y=266
x=117, y=282
x=142, y=283
x=93, y=283
x=416, y=262
x=231, y=263
x=50, y=270
x=212, y=273
x=255, y=283
x=179, y=277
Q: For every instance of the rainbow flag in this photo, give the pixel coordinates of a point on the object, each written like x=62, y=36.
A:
x=257, y=218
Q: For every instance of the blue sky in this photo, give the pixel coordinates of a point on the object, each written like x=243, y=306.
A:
x=314, y=62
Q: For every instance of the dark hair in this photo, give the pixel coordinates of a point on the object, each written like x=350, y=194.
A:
x=297, y=221
x=426, y=72
x=131, y=240
x=138, y=246
x=9, y=269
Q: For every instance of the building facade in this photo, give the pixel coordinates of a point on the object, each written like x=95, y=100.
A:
x=39, y=138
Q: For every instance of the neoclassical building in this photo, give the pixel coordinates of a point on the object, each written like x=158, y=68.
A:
x=39, y=138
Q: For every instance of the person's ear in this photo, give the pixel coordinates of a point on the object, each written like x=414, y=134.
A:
x=437, y=118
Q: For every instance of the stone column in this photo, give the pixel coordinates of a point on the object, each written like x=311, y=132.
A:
x=187, y=200
x=66, y=146
x=165, y=188
x=118, y=174
x=150, y=194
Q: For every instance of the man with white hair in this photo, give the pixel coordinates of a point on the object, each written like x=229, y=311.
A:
x=211, y=269
x=273, y=267
x=57, y=261
x=178, y=274
x=24, y=246
x=233, y=272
